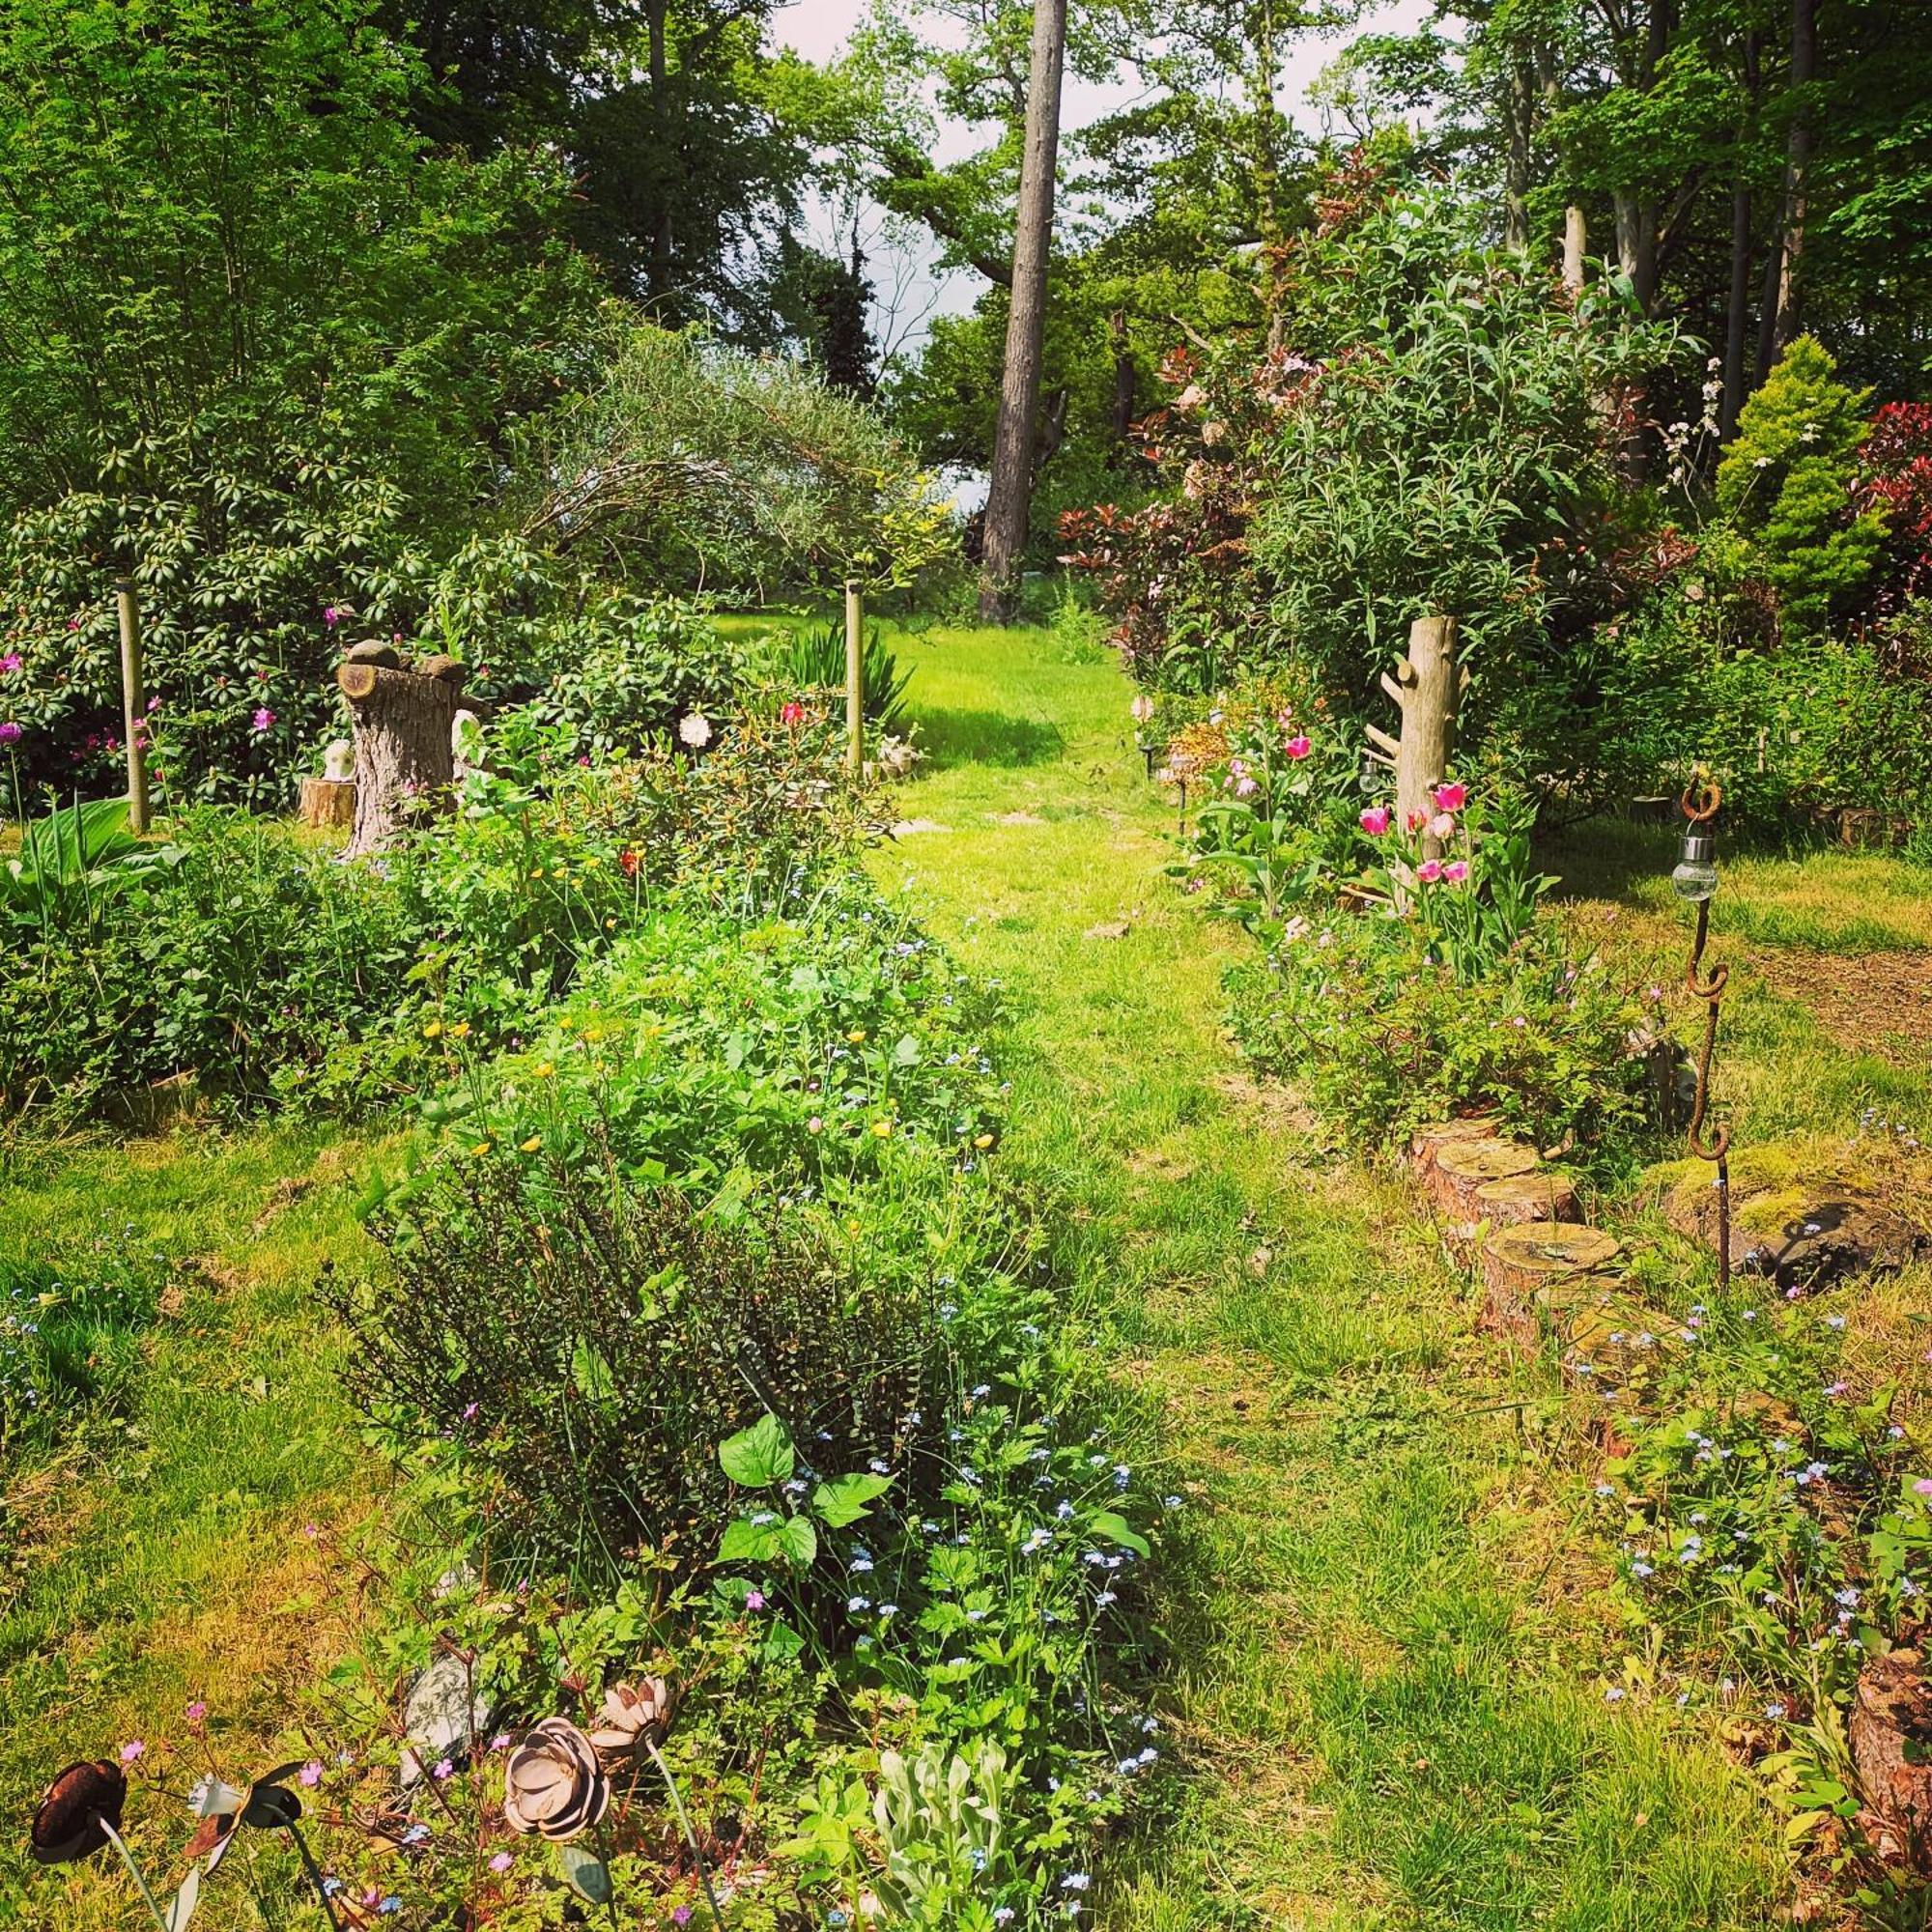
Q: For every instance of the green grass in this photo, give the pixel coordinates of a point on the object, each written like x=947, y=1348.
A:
x=1382, y=1683
x=1384, y=1635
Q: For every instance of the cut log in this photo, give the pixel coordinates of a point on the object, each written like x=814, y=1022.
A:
x=374, y=651
x=1536, y=1264
x=1427, y=1142
x=1541, y=1196
x=327, y=801
x=1465, y=1165
x=445, y=669
x=1890, y=1736
x=403, y=730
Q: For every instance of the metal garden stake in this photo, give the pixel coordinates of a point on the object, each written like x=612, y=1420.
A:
x=1696, y=879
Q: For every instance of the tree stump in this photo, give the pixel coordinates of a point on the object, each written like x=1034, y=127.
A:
x=1527, y=1197
x=403, y=730
x=1525, y=1263
x=327, y=801
x=1427, y=1142
x=1463, y=1167
x=1890, y=1735
x=1426, y=686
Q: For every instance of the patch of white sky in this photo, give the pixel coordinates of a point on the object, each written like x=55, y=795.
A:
x=909, y=288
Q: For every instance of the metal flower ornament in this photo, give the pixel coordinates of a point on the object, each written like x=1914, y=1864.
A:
x=1696, y=879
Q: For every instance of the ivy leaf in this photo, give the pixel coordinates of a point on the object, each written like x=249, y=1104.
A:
x=758, y=1457
x=848, y=1498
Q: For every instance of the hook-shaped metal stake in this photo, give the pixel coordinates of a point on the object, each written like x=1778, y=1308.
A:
x=1700, y=807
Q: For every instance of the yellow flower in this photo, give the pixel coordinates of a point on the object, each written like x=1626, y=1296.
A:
x=531, y=1144
x=560, y=872
x=434, y=1028
x=883, y=1129
x=851, y=1227
x=856, y=1035
x=481, y=1146
x=609, y=925
x=545, y=1068
x=536, y=872
x=460, y=1030
x=983, y=1140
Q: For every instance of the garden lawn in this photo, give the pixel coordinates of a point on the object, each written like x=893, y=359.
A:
x=1387, y=1653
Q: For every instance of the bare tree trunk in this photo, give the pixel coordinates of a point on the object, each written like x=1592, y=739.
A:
x=1010, y=498
x=1575, y=240
x=1736, y=317
x=1516, y=165
x=1796, y=174
x=1767, y=313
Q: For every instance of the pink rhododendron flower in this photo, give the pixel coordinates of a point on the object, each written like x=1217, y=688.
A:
x=791, y=713
x=10, y=662
x=1456, y=871
x=1450, y=797
x=1297, y=747
x=1429, y=871
x=1376, y=820
x=1441, y=826
x=263, y=719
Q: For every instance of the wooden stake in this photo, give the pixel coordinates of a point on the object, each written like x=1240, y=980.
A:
x=854, y=677
x=133, y=703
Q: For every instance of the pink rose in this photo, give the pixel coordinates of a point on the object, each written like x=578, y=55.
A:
x=1450, y=797
x=1456, y=871
x=1297, y=747
x=1376, y=820
x=1429, y=871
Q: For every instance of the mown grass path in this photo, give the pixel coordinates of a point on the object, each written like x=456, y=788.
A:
x=1386, y=1634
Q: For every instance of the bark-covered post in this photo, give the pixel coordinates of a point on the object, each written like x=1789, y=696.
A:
x=854, y=677
x=404, y=719
x=1426, y=686
x=133, y=703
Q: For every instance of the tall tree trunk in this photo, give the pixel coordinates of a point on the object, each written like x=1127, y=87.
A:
x=1122, y=417
x=1736, y=316
x=1516, y=165
x=1796, y=174
x=660, y=228
x=1010, y=498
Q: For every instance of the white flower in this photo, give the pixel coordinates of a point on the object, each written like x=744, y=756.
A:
x=694, y=730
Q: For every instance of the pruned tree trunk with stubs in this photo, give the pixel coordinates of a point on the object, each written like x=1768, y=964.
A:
x=1426, y=686
x=1010, y=499
x=1783, y=323
x=404, y=719
x=1575, y=239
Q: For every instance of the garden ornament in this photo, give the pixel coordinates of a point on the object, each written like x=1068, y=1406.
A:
x=80, y=1814
x=1696, y=879
x=338, y=762
x=632, y=1716
x=553, y=1786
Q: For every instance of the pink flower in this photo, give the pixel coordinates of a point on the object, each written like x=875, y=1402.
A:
x=130, y=1751
x=1450, y=797
x=791, y=713
x=196, y=1712
x=1376, y=820
x=1417, y=820
x=329, y=614
x=1429, y=871
x=263, y=719
x=1441, y=826
x=10, y=662
x=1245, y=788
x=444, y=1769
x=754, y=1600
x=1456, y=871
x=10, y=733
x=1297, y=747
x=682, y=1916
x=310, y=1774
x=1923, y=1487
x=502, y=1862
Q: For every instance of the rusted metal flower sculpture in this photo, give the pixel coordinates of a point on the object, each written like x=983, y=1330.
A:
x=82, y=1807
x=636, y=1718
x=554, y=1787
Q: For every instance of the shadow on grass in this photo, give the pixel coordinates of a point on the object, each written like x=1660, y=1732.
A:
x=985, y=738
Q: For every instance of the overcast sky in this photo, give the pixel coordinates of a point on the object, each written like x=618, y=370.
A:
x=908, y=290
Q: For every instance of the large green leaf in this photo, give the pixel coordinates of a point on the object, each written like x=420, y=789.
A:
x=848, y=1498
x=761, y=1456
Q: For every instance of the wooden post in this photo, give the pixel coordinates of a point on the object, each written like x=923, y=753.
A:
x=1426, y=686
x=133, y=704
x=854, y=677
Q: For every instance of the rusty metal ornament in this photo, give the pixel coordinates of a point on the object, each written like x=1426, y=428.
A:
x=1699, y=806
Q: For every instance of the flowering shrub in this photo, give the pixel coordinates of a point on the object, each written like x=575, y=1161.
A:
x=1383, y=1036
x=1894, y=476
